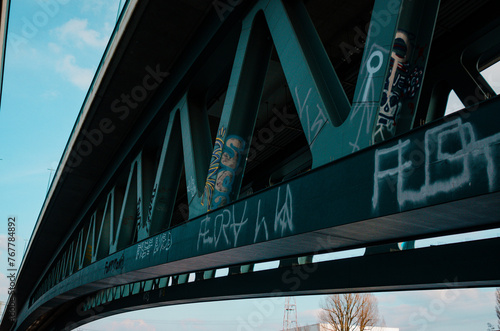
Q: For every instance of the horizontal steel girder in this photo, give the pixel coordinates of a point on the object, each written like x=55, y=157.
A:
x=439, y=267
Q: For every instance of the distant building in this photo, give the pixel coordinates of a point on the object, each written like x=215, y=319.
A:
x=326, y=327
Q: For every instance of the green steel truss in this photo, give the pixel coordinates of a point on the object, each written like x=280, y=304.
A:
x=372, y=180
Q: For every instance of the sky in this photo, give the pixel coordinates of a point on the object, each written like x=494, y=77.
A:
x=54, y=48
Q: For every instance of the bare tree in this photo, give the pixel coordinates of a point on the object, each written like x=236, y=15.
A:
x=368, y=312
x=342, y=312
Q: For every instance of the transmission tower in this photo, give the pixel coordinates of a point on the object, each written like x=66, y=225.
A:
x=290, y=316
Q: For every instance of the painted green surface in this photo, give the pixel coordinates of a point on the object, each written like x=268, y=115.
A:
x=449, y=167
x=366, y=195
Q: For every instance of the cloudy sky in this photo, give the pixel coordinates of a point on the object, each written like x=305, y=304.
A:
x=54, y=48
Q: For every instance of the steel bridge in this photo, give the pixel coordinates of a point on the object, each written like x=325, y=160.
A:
x=220, y=134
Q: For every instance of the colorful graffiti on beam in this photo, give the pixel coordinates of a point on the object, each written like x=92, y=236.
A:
x=229, y=164
x=213, y=168
x=401, y=83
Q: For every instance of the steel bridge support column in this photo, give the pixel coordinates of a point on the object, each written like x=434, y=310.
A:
x=372, y=73
x=107, y=221
x=239, y=113
x=318, y=95
x=148, y=169
x=197, y=148
x=187, y=139
x=409, y=53
x=167, y=178
x=131, y=209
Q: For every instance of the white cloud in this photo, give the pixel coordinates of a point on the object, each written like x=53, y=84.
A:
x=4, y=287
x=55, y=48
x=50, y=94
x=79, y=76
x=107, y=8
x=24, y=55
x=310, y=314
x=94, y=6
x=437, y=309
x=3, y=242
x=76, y=31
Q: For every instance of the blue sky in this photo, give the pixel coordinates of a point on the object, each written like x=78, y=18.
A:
x=53, y=51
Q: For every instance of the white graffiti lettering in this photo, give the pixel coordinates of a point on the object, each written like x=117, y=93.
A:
x=364, y=104
x=283, y=219
x=221, y=223
x=312, y=130
x=143, y=249
x=163, y=243
x=260, y=223
x=225, y=227
x=449, y=153
x=236, y=226
x=204, y=233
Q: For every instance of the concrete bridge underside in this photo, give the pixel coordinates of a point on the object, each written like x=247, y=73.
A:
x=228, y=133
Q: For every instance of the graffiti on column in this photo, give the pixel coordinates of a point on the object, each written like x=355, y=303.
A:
x=402, y=83
x=229, y=164
x=213, y=168
x=362, y=111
